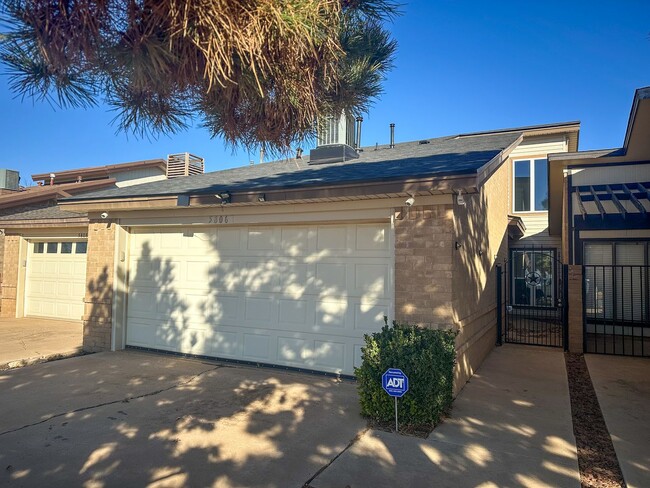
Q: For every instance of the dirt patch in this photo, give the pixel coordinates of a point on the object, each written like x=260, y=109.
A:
x=599, y=467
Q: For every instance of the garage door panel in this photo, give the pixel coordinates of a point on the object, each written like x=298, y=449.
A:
x=296, y=312
x=332, y=238
x=331, y=313
x=257, y=347
x=366, y=316
x=65, y=269
x=298, y=296
x=227, y=343
x=372, y=238
x=295, y=241
x=260, y=239
x=258, y=310
x=329, y=354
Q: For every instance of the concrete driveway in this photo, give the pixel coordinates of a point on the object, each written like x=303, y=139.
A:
x=622, y=386
x=30, y=339
x=138, y=419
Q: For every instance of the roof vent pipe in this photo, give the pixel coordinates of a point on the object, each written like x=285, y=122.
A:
x=392, y=136
x=357, y=143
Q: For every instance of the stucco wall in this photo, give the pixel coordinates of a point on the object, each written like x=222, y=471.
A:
x=98, y=302
x=481, y=232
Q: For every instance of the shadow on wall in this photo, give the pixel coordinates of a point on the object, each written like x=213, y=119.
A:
x=158, y=316
x=481, y=232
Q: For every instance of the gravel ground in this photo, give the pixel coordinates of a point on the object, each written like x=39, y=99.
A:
x=597, y=459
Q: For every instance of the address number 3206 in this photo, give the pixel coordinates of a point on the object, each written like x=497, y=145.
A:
x=220, y=219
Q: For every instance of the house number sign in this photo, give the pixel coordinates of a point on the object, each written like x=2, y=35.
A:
x=220, y=219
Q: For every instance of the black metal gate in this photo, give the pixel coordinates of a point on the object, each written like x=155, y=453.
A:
x=616, y=301
x=531, y=297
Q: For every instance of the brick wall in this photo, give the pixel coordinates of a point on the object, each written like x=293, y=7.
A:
x=98, y=302
x=576, y=318
x=423, y=267
x=10, y=276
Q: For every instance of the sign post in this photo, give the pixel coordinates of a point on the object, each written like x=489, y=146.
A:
x=396, y=384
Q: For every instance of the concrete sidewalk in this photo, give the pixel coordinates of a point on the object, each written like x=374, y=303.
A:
x=30, y=339
x=622, y=385
x=510, y=426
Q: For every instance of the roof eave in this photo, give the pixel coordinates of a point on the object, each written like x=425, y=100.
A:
x=101, y=170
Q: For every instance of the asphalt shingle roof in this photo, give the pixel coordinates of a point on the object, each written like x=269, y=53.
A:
x=444, y=156
x=51, y=212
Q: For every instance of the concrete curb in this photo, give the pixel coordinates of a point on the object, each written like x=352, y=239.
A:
x=20, y=363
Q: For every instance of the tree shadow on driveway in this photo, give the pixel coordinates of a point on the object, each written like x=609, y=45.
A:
x=161, y=421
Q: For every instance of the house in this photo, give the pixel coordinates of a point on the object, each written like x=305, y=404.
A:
x=290, y=263
x=599, y=205
x=52, y=281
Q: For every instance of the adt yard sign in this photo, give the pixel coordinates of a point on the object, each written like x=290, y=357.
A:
x=395, y=382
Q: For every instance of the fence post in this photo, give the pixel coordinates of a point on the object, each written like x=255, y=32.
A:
x=575, y=320
x=499, y=312
x=566, y=305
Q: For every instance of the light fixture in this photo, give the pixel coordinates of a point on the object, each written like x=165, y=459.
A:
x=410, y=201
x=225, y=197
x=261, y=197
x=104, y=215
x=459, y=198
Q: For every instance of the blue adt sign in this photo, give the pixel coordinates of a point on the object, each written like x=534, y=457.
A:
x=395, y=382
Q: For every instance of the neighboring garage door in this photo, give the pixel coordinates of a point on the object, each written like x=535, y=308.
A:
x=56, y=279
x=299, y=296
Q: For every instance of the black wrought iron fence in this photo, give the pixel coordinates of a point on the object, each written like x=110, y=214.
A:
x=616, y=309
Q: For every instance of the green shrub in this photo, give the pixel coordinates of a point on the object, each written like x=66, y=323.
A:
x=426, y=356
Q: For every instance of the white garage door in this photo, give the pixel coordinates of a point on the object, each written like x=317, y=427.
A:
x=294, y=296
x=56, y=279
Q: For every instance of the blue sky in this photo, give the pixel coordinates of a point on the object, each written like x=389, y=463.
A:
x=461, y=66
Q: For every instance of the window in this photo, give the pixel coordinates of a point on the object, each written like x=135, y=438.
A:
x=531, y=185
x=66, y=248
x=615, y=280
x=52, y=247
x=39, y=247
x=81, y=247
x=532, y=277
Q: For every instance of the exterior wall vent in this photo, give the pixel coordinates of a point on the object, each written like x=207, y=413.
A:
x=184, y=164
x=9, y=179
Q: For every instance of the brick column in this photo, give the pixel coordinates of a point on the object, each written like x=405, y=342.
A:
x=98, y=302
x=10, y=276
x=574, y=302
x=423, y=265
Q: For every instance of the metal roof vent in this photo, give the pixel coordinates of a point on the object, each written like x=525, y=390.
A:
x=423, y=142
x=332, y=153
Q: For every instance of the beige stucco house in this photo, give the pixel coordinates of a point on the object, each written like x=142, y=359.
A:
x=290, y=263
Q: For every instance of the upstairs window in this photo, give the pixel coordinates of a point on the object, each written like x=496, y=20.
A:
x=531, y=185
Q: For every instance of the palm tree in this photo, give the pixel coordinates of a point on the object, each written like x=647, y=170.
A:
x=252, y=71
